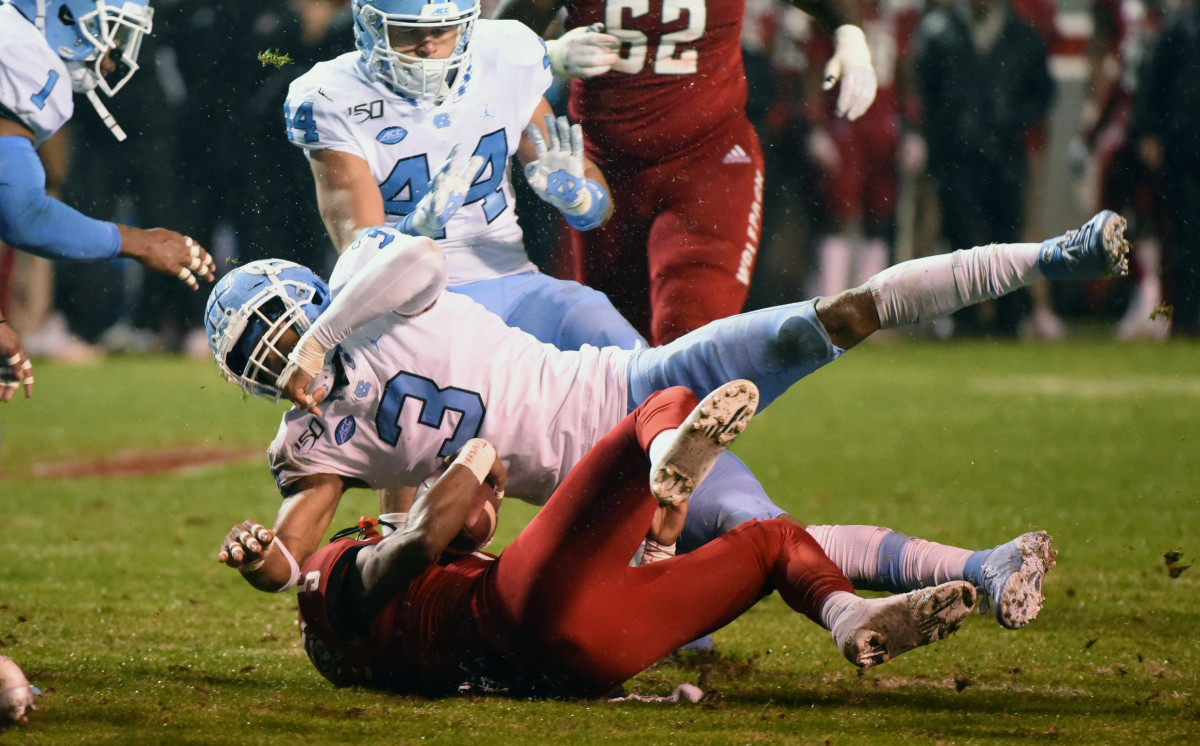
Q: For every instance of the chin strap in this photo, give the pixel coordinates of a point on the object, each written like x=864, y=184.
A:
x=107, y=118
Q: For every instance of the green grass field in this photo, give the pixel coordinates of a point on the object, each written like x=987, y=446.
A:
x=112, y=602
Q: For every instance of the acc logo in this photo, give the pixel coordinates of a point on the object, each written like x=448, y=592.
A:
x=391, y=135
x=441, y=121
x=362, y=389
x=344, y=430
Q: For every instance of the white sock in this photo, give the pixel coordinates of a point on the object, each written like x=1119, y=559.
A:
x=659, y=445
x=909, y=564
x=835, y=608
x=933, y=286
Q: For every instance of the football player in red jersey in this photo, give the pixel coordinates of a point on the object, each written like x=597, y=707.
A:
x=561, y=612
x=662, y=102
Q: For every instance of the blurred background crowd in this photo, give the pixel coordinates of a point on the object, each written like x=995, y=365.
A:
x=995, y=121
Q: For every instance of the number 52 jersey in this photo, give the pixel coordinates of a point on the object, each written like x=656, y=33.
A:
x=339, y=105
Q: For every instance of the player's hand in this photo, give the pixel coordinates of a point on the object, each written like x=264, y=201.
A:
x=851, y=63
x=294, y=381
x=497, y=476
x=15, y=369
x=168, y=252
x=583, y=52
x=557, y=174
x=447, y=190
x=245, y=544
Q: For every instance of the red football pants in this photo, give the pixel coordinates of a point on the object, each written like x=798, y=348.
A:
x=563, y=602
x=680, y=248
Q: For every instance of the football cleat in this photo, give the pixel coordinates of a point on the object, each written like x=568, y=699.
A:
x=700, y=439
x=1012, y=579
x=875, y=630
x=1096, y=250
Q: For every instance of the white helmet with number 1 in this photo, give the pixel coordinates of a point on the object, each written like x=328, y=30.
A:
x=83, y=32
x=380, y=24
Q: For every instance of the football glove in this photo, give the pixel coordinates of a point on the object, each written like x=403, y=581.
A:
x=447, y=190
x=583, y=52
x=557, y=174
x=851, y=63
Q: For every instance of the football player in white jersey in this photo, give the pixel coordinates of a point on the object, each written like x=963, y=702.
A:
x=413, y=373
x=417, y=127
x=49, y=48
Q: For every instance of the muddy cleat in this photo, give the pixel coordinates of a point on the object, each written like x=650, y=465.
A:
x=880, y=629
x=1097, y=250
x=704, y=435
x=1011, y=578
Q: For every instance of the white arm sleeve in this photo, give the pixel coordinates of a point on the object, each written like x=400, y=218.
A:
x=405, y=275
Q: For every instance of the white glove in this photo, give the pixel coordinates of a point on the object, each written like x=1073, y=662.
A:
x=557, y=174
x=851, y=62
x=446, y=193
x=583, y=52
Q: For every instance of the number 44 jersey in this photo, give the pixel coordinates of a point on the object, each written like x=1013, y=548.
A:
x=340, y=105
x=413, y=389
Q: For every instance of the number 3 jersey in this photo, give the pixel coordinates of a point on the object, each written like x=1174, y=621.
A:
x=679, y=76
x=414, y=389
x=35, y=87
x=340, y=105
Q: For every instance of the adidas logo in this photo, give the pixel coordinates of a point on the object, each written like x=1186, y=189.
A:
x=736, y=155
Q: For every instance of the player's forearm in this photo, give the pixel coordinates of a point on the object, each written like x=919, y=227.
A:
x=37, y=223
x=536, y=14
x=437, y=517
x=384, y=272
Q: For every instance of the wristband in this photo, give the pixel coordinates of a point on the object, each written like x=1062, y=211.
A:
x=478, y=456
x=308, y=355
x=405, y=225
x=594, y=215
x=390, y=523
x=295, y=566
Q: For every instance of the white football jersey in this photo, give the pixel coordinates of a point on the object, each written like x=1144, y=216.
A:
x=339, y=105
x=419, y=387
x=35, y=87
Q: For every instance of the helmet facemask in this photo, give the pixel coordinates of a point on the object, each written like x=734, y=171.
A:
x=115, y=32
x=380, y=25
x=246, y=335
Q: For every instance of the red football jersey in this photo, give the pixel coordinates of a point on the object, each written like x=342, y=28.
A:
x=679, y=77
x=420, y=642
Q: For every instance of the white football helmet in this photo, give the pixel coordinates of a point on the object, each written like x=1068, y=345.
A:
x=83, y=32
x=250, y=309
x=417, y=78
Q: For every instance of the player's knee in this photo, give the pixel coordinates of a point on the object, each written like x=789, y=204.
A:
x=799, y=340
